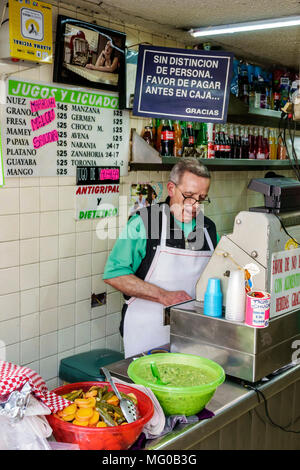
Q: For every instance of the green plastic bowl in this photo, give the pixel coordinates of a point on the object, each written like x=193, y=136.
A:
x=178, y=400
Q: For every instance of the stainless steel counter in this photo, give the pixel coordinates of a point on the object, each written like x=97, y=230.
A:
x=240, y=421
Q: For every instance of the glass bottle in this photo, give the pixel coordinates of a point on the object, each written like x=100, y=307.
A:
x=272, y=145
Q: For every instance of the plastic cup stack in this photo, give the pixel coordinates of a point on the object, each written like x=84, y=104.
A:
x=235, y=297
x=213, y=298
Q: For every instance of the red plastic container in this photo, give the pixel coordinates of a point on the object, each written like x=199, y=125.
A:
x=110, y=438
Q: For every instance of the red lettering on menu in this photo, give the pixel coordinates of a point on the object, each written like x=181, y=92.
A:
x=294, y=262
x=277, y=266
x=282, y=303
x=295, y=299
x=286, y=264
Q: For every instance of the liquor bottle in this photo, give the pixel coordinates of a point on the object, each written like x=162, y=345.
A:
x=177, y=139
x=272, y=145
x=244, y=84
x=260, y=155
x=167, y=140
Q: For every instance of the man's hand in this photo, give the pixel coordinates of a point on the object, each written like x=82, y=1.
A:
x=174, y=297
x=135, y=287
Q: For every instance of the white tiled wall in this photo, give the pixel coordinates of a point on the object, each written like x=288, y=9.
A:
x=50, y=263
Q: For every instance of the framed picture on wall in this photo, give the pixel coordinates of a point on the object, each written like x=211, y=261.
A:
x=131, y=68
x=90, y=55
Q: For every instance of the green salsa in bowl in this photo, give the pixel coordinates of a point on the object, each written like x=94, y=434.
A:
x=191, y=380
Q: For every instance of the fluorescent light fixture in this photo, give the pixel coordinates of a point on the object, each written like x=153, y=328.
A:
x=249, y=26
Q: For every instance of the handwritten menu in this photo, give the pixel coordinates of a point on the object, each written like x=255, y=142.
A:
x=285, y=282
x=97, y=192
x=50, y=130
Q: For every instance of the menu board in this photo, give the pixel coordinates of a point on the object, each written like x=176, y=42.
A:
x=50, y=130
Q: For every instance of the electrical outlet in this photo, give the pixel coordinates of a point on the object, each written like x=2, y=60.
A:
x=97, y=300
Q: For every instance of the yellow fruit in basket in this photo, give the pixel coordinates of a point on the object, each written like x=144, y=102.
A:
x=84, y=414
x=85, y=402
x=94, y=419
x=113, y=400
x=91, y=393
x=69, y=417
x=101, y=424
x=69, y=410
x=80, y=423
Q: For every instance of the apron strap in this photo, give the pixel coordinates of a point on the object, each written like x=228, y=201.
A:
x=163, y=236
x=210, y=244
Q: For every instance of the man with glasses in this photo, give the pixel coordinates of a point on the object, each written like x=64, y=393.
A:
x=160, y=256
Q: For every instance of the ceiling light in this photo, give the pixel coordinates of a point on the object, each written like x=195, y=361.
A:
x=250, y=26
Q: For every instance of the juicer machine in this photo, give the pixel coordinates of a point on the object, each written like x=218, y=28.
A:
x=245, y=352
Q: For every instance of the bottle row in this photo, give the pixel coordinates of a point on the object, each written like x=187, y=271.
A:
x=261, y=88
x=208, y=140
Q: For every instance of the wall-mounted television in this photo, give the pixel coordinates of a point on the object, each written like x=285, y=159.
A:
x=89, y=55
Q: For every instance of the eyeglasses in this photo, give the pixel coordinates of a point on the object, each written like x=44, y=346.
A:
x=191, y=200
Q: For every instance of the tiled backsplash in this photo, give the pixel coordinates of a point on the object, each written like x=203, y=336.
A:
x=50, y=263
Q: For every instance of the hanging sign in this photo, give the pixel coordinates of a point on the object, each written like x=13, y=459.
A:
x=50, y=130
x=285, y=282
x=30, y=30
x=97, y=192
x=183, y=84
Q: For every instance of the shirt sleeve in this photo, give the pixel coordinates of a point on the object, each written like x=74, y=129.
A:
x=128, y=251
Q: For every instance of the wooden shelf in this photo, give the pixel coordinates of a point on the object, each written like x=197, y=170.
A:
x=216, y=164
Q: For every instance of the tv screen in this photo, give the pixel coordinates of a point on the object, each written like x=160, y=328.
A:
x=89, y=55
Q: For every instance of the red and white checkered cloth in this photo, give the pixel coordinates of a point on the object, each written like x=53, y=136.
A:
x=13, y=377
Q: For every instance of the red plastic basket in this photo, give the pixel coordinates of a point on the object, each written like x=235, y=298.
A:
x=110, y=438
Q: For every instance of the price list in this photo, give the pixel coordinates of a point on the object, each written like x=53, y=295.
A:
x=49, y=131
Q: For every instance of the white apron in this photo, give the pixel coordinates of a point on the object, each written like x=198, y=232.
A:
x=171, y=269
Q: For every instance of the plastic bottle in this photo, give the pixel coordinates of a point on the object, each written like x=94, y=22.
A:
x=201, y=144
x=222, y=142
x=210, y=140
x=227, y=146
x=158, y=134
x=167, y=140
x=191, y=134
x=217, y=141
x=231, y=141
x=272, y=145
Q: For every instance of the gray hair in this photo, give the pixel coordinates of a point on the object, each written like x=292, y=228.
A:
x=188, y=164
